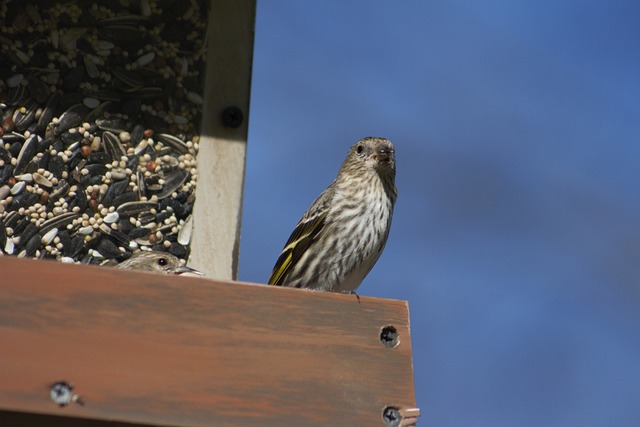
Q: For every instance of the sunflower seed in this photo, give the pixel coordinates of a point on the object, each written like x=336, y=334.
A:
x=112, y=145
x=27, y=152
x=49, y=111
x=75, y=247
x=32, y=246
x=174, y=142
x=24, y=116
x=127, y=197
x=134, y=208
x=108, y=249
x=30, y=230
x=131, y=79
x=42, y=181
x=112, y=124
x=172, y=182
x=72, y=117
x=59, y=222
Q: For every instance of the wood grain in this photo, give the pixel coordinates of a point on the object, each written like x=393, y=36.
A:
x=215, y=248
x=180, y=351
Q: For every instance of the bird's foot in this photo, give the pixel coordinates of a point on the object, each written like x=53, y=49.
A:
x=352, y=293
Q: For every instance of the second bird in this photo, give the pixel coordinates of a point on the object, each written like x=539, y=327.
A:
x=342, y=234
x=157, y=262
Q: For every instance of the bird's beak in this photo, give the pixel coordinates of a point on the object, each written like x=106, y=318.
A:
x=183, y=269
x=384, y=153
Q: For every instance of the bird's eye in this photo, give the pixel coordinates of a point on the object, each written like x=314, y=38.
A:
x=359, y=149
x=162, y=261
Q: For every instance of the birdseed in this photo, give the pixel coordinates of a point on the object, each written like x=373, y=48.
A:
x=100, y=106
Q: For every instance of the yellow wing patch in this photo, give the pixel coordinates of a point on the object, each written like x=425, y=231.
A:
x=302, y=237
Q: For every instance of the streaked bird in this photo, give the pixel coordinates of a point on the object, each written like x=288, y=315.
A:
x=156, y=261
x=342, y=234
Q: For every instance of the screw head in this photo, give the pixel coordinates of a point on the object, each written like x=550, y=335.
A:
x=391, y=416
x=61, y=392
x=232, y=117
x=390, y=336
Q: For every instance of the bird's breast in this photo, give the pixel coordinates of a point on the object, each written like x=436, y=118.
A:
x=365, y=227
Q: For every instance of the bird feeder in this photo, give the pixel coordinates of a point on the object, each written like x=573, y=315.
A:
x=93, y=345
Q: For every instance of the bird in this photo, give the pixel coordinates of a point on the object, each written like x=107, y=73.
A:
x=156, y=261
x=342, y=234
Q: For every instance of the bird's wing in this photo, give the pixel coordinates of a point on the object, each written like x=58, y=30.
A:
x=303, y=236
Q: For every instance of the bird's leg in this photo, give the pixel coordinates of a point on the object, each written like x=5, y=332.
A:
x=352, y=293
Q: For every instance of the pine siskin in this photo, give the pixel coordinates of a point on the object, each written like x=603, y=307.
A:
x=158, y=262
x=342, y=234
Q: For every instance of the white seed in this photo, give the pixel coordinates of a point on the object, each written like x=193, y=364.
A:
x=180, y=120
x=184, y=235
x=95, y=253
x=86, y=230
x=91, y=102
x=9, y=247
x=22, y=56
x=141, y=146
x=26, y=177
x=145, y=8
x=4, y=192
x=111, y=217
x=55, y=38
x=105, y=45
x=91, y=66
x=124, y=137
x=18, y=187
x=49, y=236
x=145, y=59
x=15, y=80
x=195, y=98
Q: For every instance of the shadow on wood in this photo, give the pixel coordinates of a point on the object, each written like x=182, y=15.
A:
x=141, y=348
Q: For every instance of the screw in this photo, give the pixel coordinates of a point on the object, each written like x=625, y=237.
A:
x=232, y=117
x=61, y=392
x=390, y=337
x=391, y=416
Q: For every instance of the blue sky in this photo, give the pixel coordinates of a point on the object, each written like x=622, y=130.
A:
x=516, y=235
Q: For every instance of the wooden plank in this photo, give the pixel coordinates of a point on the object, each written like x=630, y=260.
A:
x=144, y=349
x=221, y=159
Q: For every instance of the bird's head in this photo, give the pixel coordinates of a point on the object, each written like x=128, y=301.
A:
x=160, y=262
x=168, y=264
x=372, y=153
